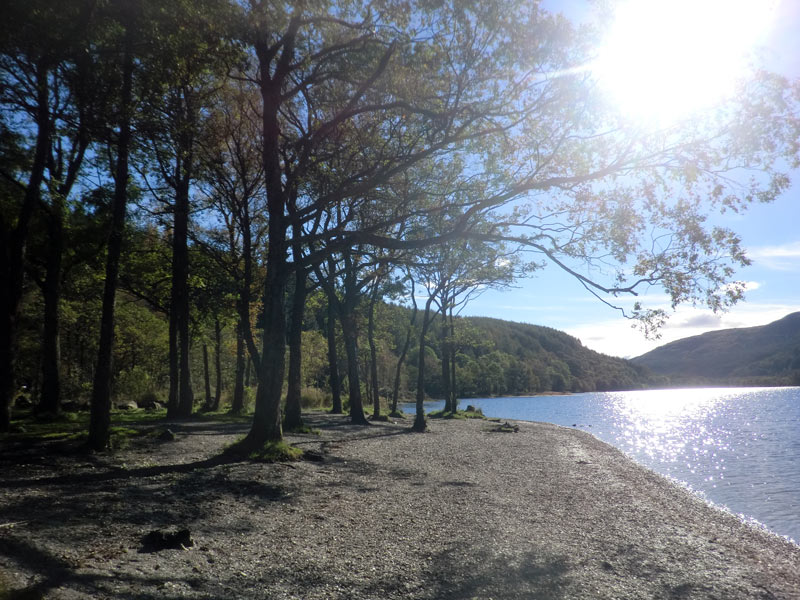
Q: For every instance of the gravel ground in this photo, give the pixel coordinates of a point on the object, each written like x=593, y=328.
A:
x=460, y=512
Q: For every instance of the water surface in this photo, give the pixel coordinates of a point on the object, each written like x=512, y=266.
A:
x=739, y=447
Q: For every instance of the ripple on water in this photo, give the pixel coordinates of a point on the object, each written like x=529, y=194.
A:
x=738, y=447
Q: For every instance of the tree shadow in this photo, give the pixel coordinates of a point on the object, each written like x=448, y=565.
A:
x=527, y=575
x=53, y=572
x=118, y=474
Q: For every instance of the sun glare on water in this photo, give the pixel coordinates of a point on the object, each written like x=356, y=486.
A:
x=665, y=59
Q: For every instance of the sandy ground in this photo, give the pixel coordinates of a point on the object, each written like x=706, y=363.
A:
x=460, y=512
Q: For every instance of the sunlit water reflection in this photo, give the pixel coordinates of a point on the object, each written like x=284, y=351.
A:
x=740, y=447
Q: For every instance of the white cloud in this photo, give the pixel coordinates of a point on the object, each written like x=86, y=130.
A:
x=785, y=257
x=617, y=337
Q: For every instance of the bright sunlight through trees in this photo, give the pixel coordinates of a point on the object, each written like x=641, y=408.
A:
x=662, y=60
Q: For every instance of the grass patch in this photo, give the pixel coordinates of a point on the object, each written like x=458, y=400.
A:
x=138, y=415
x=276, y=452
x=459, y=414
x=224, y=415
x=74, y=427
x=303, y=429
x=48, y=427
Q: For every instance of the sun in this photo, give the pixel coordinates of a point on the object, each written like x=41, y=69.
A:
x=662, y=60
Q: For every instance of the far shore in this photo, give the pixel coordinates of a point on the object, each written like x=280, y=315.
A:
x=466, y=510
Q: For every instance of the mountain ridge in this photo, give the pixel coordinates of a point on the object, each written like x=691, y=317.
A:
x=761, y=355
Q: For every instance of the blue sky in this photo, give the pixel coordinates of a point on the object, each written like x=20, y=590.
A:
x=771, y=234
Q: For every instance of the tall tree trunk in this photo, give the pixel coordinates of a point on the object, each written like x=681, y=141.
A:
x=365, y=377
x=66, y=173
x=453, y=391
x=242, y=364
x=333, y=362
x=51, y=290
x=347, y=316
x=419, y=421
x=293, y=418
x=244, y=291
x=206, y=378
x=448, y=400
x=354, y=383
x=266, y=425
x=100, y=418
x=172, y=359
x=403, y=354
x=267, y=418
x=373, y=353
x=180, y=294
x=13, y=254
x=218, y=363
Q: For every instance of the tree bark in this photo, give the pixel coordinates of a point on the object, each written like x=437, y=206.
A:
x=244, y=290
x=453, y=391
x=100, y=418
x=373, y=353
x=206, y=378
x=180, y=294
x=172, y=398
x=51, y=291
x=217, y=363
x=333, y=362
x=293, y=418
x=266, y=425
x=347, y=316
x=65, y=173
x=448, y=401
x=419, y=420
x=403, y=353
x=242, y=364
x=14, y=246
x=354, y=383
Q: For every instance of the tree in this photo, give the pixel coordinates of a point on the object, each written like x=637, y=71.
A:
x=100, y=418
x=463, y=270
x=405, y=347
x=190, y=58
x=233, y=186
x=324, y=78
x=333, y=360
x=570, y=179
x=44, y=134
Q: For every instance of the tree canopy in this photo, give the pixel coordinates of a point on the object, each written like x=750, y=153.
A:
x=265, y=149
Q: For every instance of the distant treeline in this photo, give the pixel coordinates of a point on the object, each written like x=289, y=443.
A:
x=493, y=357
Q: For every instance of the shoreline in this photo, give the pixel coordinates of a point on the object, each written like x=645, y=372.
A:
x=458, y=512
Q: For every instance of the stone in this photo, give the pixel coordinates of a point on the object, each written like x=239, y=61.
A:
x=128, y=405
x=158, y=540
x=167, y=436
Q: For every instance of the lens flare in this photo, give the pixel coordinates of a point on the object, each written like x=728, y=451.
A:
x=663, y=60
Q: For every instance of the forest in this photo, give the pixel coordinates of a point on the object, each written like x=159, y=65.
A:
x=247, y=205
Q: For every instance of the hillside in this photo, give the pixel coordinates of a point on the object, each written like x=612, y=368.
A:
x=536, y=358
x=765, y=355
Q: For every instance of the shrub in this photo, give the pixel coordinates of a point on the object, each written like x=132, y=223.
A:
x=311, y=397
